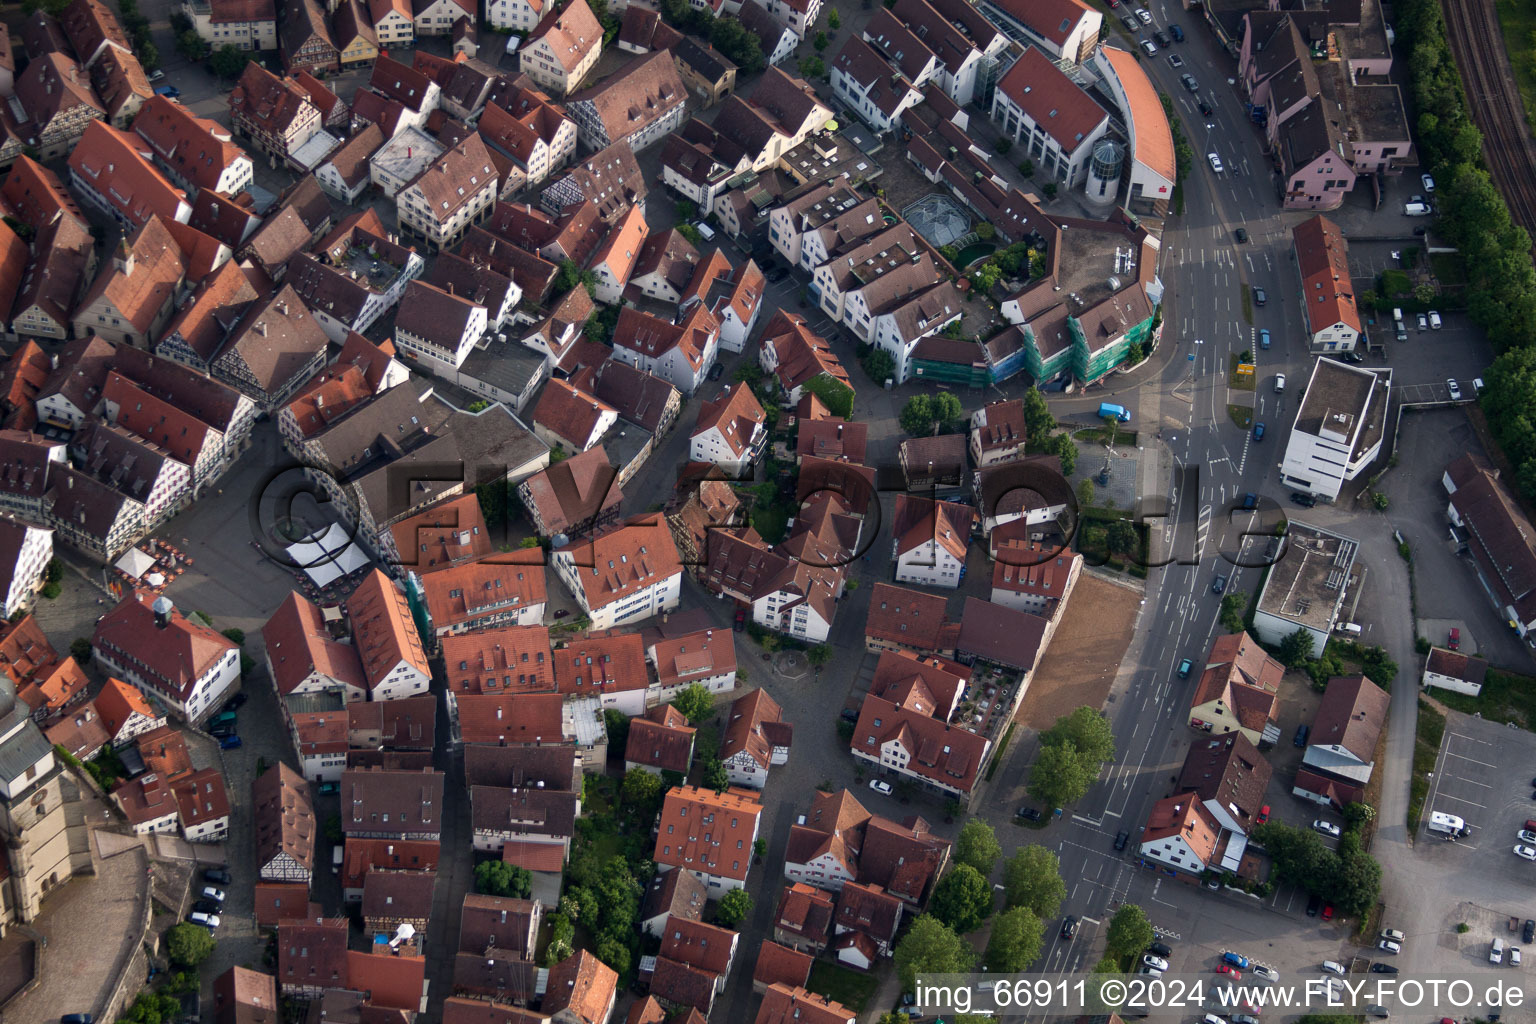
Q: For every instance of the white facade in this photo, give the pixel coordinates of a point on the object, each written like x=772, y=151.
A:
x=1319, y=461
x=803, y=621
x=672, y=365
x=929, y=564
x=435, y=353
x=404, y=680
x=416, y=212
x=437, y=18
x=857, y=96
x=27, y=573
x=798, y=20
x=712, y=446
x=1174, y=852
x=824, y=872
x=1040, y=145
x=888, y=334
x=209, y=689
x=660, y=596
x=515, y=15
x=245, y=35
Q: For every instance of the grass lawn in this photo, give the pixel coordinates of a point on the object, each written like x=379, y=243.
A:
x=1426, y=748
x=1505, y=698
x=1242, y=415
x=842, y=984
x=1517, y=20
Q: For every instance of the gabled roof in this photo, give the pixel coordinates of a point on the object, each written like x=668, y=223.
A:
x=462, y=593
x=449, y=533
x=140, y=292
x=662, y=739
x=205, y=321
x=312, y=953
x=785, y=1005
x=833, y=439
x=383, y=630
x=937, y=751
x=804, y=910
x=570, y=35
x=400, y=82
x=920, y=521
x=570, y=415
x=274, y=342
x=686, y=840
x=1322, y=259
x=1050, y=19
x=1239, y=673
x=601, y=663
x=574, y=490
x=174, y=656
x=455, y=178
x=755, y=726
x=496, y=922
x=196, y=148
x=802, y=354
x=691, y=941
x=118, y=702
x=1230, y=771
x=641, y=92
x=1352, y=714
x=118, y=168
x=36, y=196
x=1184, y=815
x=637, y=554
x=412, y=800
x=736, y=414
x=283, y=816
x=582, y=986
x=298, y=644
x=52, y=86
x=1457, y=666
x=909, y=618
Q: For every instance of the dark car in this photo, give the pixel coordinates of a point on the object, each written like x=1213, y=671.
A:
x=207, y=907
x=1354, y=357
x=1029, y=814
x=1069, y=927
x=1121, y=839
x=230, y=742
x=218, y=876
x=1529, y=935
x=1250, y=501
x=170, y=92
x=1259, y=298
x=850, y=714
x=1258, y=431
x=1304, y=500
x=77, y=1018
x=1383, y=969
x=776, y=275
x=1302, y=732
x=1241, y=234
x=237, y=701
x=1314, y=905
x=741, y=619
x=1160, y=949
x=1176, y=32
x=1219, y=585
x=222, y=730
x=716, y=371
x=1206, y=109
x=1161, y=37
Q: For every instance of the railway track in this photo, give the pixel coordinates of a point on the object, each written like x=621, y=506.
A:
x=1472, y=30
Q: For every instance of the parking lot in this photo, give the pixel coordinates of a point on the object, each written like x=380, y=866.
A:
x=1483, y=775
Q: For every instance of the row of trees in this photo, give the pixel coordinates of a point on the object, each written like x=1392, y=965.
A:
x=1072, y=752
x=1501, y=281
x=1044, y=439
x=1348, y=877
x=925, y=415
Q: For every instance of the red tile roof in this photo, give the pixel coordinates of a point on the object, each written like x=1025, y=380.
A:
x=117, y=702
x=693, y=656
x=501, y=718
x=601, y=663
x=42, y=678
x=312, y=953
x=113, y=162
x=780, y=965
x=724, y=846
x=784, y=1005
x=393, y=981
x=512, y=659
x=936, y=751
x=175, y=657
x=582, y=986
x=198, y=149
x=625, y=560
x=299, y=643
x=737, y=414
x=572, y=416
x=910, y=618
x=571, y=34
x=446, y=534
x=502, y=583
x=201, y=798
x=158, y=269
x=1149, y=122
x=1322, y=259
x=920, y=521
x=277, y=902
x=832, y=438
x=383, y=629
x=662, y=739
x=361, y=854
x=36, y=196
x=218, y=303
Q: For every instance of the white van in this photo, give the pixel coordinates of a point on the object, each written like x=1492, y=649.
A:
x=1416, y=210
x=1439, y=822
x=1496, y=952
x=1397, y=314
x=513, y=43
x=705, y=231
x=1349, y=628
x=337, y=853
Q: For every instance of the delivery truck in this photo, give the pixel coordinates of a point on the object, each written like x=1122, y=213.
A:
x=1119, y=412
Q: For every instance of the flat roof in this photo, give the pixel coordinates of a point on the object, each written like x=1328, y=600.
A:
x=1311, y=577
x=505, y=365
x=407, y=154
x=1345, y=403
x=314, y=151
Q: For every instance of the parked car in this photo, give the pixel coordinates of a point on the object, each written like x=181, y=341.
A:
x=1149, y=47
x=218, y=876
x=1029, y=813
x=1235, y=959
x=1304, y=500
x=1477, y=385
x=1418, y=209
x=716, y=371
x=1302, y=732
x=1230, y=971
x=1332, y=967
x=1143, y=15
x=1263, y=814
x=210, y=893
x=221, y=730
x=230, y=742
x=237, y=701
x=1434, y=320
x=327, y=788
x=1453, y=640
x=741, y=619
x=77, y=1018
x=1388, y=946
x=1428, y=182
x=1068, y=927
x=1160, y=949
x=1267, y=973
x=1175, y=61
x=880, y=786
x=1423, y=322
x=1525, y=852
x=1259, y=298
x=1528, y=934
x=207, y=906
x=1190, y=82
x=1258, y=431
x=776, y=275
x=225, y=718
x=170, y=92
x=157, y=75
x=1157, y=963
x=1176, y=32
x=1392, y=934
x=1327, y=911
x=1383, y=968
x=1327, y=828
x=209, y=921
x=1215, y=162
x=1314, y=905
x=1160, y=37
x=1454, y=389
x=849, y=715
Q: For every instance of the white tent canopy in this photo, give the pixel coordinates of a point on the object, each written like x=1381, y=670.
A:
x=135, y=562
x=328, y=558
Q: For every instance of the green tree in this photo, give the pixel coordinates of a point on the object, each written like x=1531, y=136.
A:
x=148, y=54
x=930, y=947
x=946, y=408
x=733, y=908
x=498, y=878
x=188, y=944
x=834, y=394
x=688, y=231
x=978, y=846
x=1032, y=878
x=834, y=22
x=191, y=46
x=917, y=416
x=1129, y=932
x=1123, y=538
x=819, y=656
x=1038, y=421
x=1085, y=492
x=614, y=952
x=1296, y=648
x=1059, y=776
x=1061, y=446
x=571, y=275
x=562, y=936
x=879, y=365
x=1233, y=605
x=641, y=788
x=54, y=572
x=713, y=774
x=1015, y=942
x=820, y=42
x=616, y=723
x=235, y=636
x=812, y=67
x=1087, y=730
x=695, y=702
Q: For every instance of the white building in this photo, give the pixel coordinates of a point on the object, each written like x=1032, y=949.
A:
x=238, y=23
x=929, y=541
x=1066, y=30
x=516, y=15
x=24, y=554
x=1339, y=427
x=1306, y=586
x=451, y=195
x=187, y=665
x=874, y=90
x=615, y=259
x=1054, y=122
x=437, y=329
x=624, y=575
x=1328, y=290
x=731, y=432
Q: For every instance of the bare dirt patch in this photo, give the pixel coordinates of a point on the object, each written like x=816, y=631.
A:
x=1084, y=655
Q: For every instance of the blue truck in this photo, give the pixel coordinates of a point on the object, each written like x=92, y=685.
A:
x=1119, y=412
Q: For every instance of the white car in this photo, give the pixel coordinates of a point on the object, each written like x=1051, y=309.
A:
x=1149, y=47
x=1434, y=320
x=1526, y=836
x=1423, y=322
x=1327, y=828
x=1454, y=389
x=1417, y=209
x=1211, y=1018
x=880, y=786
x=1514, y=956
x=1429, y=183
x=1157, y=963
x=1388, y=946
x=1393, y=934
x=209, y=921
x=1215, y=162
x=1267, y=973
x=1143, y=15
x=1331, y=967
x=1525, y=852
x=210, y=893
